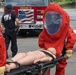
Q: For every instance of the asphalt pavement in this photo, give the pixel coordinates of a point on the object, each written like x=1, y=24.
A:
x=1, y=10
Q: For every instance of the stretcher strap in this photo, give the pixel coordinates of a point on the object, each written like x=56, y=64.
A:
x=16, y=63
x=48, y=54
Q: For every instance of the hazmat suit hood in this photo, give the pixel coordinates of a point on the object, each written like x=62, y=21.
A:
x=56, y=21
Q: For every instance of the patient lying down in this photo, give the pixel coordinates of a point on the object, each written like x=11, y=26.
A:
x=30, y=58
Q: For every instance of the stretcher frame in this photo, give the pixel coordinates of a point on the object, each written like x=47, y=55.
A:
x=35, y=69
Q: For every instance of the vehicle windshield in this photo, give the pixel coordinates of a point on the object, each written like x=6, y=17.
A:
x=27, y=2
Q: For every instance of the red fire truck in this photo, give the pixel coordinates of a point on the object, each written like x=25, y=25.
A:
x=30, y=13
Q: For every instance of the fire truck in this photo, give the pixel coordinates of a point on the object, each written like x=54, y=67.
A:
x=30, y=13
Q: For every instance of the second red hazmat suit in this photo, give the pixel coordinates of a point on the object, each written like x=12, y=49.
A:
x=2, y=53
x=56, y=31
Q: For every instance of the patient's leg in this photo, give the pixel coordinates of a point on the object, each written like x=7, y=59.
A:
x=18, y=56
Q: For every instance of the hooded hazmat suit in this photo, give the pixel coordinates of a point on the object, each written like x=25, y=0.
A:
x=56, y=31
x=2, y=53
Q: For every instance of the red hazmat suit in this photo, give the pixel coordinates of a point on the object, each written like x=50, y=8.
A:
x=58, y=37
x=2, y=50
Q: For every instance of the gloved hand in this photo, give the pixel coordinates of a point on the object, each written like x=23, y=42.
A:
x=2, y=70
x=69, y=53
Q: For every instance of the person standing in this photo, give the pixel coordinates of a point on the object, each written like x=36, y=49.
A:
x=8, y=23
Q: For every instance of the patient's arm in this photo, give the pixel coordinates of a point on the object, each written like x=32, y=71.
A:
x=44, y=59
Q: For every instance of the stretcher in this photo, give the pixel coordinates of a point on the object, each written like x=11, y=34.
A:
x=35, y=69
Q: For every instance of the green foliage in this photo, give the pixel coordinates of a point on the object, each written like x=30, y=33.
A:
x=63, y=0
x=66, y=2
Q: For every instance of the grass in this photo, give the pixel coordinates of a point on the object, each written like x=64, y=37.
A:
x=1, y=6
